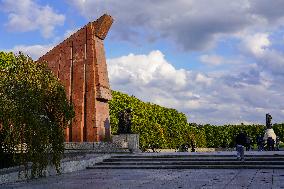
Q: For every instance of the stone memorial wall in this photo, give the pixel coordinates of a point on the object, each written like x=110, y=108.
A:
x=80, y=64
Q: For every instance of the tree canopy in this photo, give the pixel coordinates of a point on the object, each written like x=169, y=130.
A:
x=168, y=128
x=34, y=111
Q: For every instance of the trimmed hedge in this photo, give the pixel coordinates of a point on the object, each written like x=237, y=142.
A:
x=167, y=128
x=158, y=126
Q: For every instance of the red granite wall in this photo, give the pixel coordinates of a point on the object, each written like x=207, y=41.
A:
x=80, y=64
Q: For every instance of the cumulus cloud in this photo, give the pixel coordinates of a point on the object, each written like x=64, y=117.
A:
x=152, y=70
x=255, y=44
x=259, y=47
x=34, y=51
x=191, y=24
x=206, y=98
x=242, y=93
x=27, y=15
x=213, y=60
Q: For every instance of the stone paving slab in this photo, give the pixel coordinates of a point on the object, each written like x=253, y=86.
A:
x=159, y=179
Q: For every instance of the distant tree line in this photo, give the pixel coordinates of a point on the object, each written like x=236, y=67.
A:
x=167, y=128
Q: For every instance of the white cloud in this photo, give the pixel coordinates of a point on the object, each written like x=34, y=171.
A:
x=34, y=51
x=191, y=24
x=205, y=98
x=272, y=61
x=256, y=43
x=260, y=48
x=27, y=15
x=150, y=69
x=213, y=60
x=201, y=78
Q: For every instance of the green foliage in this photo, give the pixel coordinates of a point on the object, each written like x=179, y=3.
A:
x=224, y=136
x=279, y=130
x=158, y=126
x=34, y=111
x=197, y=135
x=168, y=128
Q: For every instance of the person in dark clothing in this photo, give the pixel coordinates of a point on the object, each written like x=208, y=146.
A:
x=270, y=144
x=277, y=143
x=193, y=145
x=260, y=143
x=241, y=141
x=248, y=144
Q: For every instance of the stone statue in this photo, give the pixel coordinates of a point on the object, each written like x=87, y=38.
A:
x=124, y=121
x=268, y=121
x=269, y=132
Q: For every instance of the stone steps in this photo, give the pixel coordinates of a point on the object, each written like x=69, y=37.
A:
x=190, y=167
x=265, y=159
x=194, y=163
x=183, y=155
x=176, y=161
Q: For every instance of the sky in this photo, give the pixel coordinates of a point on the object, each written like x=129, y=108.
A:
x=217, y=61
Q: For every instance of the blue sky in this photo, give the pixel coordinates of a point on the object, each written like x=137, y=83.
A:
x=218, y=61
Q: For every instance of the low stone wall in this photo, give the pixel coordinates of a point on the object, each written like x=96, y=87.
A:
x=197, y=150
x=214, y=149
x=68, y=165
x=79, y=155
x=94, y=147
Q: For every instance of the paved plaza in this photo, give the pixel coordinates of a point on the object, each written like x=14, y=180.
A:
x=166, y=179
x=163, y=178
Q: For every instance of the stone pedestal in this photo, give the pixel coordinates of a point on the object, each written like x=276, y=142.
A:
x=130, y=141
x=269, y=133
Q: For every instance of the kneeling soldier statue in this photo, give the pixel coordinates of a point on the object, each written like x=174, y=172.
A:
x=124, y=121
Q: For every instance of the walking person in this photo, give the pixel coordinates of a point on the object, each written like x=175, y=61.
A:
x=241, y=141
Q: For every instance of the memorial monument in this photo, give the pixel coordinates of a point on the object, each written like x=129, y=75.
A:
x=269, y=132
x=80, y=64
x=125, y=138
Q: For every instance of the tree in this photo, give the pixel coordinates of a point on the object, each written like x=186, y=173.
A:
x=34, y=111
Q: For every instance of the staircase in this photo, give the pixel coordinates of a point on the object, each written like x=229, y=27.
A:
x=188, y=161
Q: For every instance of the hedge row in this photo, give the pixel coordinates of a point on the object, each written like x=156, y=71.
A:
x=167, y=128
x=224, y=136
x=156, y=125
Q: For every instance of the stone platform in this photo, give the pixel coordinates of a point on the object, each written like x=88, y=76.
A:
x=187, y=160
x=165, y=178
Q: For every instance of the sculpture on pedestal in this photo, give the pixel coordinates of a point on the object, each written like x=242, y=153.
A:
x=268, y=121
x=269, y=135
